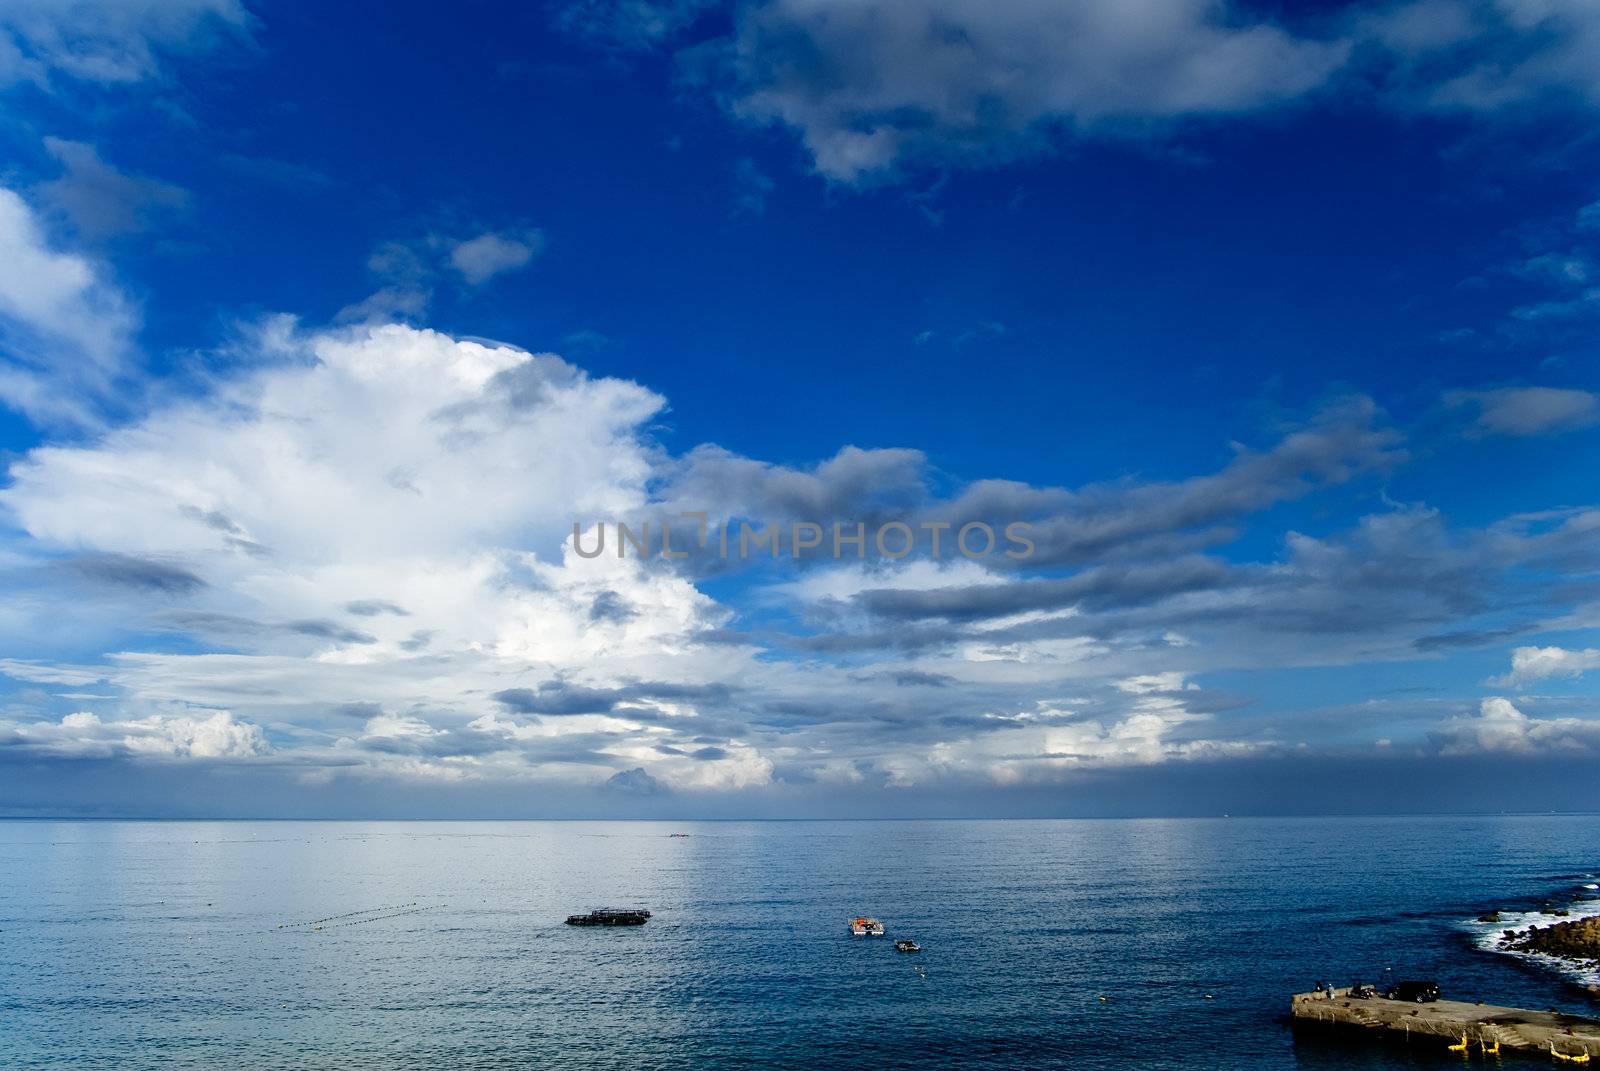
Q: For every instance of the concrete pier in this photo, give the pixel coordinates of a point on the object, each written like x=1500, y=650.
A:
x=1449, y=1021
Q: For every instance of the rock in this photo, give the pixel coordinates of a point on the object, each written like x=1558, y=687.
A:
x=1575, y=940
x=1493, y=916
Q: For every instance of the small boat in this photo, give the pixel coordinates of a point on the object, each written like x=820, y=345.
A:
x=862, y=926
x=906, y=944
x=611, y=916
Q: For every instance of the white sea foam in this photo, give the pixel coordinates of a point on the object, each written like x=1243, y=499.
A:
x=1489, y=936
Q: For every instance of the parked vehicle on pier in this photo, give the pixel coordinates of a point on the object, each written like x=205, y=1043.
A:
x=1416, y=992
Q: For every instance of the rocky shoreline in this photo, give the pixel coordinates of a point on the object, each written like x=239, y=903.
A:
x=1576, y=941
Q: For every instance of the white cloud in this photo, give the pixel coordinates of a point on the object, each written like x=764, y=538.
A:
x=18, y=669
x=1526, y=411
x=112, y=43
x=1500, y=727
x=1532, y=664
x=385, y=442
x=870, y=85
x=65, y=330
x=482, y=258
x=364, y=535
x=438, y=477
x=84, y=734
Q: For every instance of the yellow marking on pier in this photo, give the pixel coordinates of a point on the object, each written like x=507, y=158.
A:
x=1456, y=1024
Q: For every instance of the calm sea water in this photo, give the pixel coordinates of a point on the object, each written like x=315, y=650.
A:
x=441, y=945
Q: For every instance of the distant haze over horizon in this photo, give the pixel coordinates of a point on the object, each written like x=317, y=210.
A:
x=1272, y=327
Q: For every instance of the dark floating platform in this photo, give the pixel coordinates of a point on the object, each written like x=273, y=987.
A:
x=611, y=916
x=1461, y=1026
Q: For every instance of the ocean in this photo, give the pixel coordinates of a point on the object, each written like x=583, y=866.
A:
x=1083, y=944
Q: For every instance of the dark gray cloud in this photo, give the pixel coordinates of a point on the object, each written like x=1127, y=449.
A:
x=1097, y=524
x=374, y=607
x=609, y=606
x=234, y=534
x=871, y=89
x=417, y=640
x=560, y=698
x=146, y=574
x=208, y=623
x=1396, y=583
x=880, y=92
x=1344, y=440
x=1093, y=589
x=912, y=678
x=329, y=630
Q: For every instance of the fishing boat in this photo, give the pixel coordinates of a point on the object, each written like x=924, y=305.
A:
x=863, y=926
x=611, y=916
x=906, y=944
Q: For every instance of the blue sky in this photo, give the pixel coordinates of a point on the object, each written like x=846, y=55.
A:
x=320, y=330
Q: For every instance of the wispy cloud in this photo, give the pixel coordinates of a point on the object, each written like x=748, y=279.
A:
x=1525, y=411
x=101, y=201
x=108, y=44
x=66, y=330
x=410, y=271
x=482, y=258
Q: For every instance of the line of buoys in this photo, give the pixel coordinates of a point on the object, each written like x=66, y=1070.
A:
x=353, y=914
x=376, y=918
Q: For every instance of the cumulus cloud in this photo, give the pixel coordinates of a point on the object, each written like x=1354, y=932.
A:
x=1500, y=727
x=422, y=484
x=108, y=43
x=1529, y=665
x=179, y=736
x=363, y=537
x=65, y=329
x=387, y=441
x=1527, y=411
